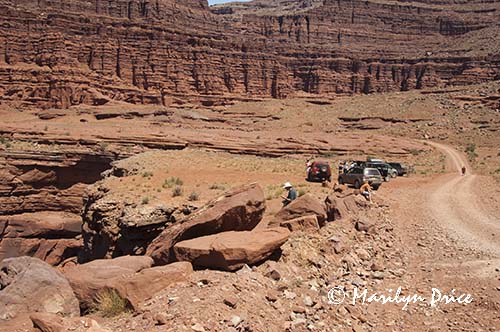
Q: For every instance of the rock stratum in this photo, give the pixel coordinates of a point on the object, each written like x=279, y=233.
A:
x=59, y=54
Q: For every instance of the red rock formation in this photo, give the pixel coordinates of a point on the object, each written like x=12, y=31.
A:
x=41, y=198
x=55, y=54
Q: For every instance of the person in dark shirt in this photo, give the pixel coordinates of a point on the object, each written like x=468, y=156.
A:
x=292, y=194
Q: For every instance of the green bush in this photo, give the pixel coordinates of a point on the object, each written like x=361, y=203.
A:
x=470, y=149
x=172, y=181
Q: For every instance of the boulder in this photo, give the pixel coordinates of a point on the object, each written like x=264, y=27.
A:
x=53, y=323
x=365, y=225
x=28, y=284
x=49, y=236
x=231, y=250
x=143, y=285
x=130, y=276
x=90, y=278
x=47, y=322
x=239, y=209
x=306, y=223
x=343, y=206
x=302, y=206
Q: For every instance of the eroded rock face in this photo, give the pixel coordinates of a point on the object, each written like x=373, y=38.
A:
x=146, y=52
x=40, y=199
x=28, y=285
x=231, y=250
x=239, y=209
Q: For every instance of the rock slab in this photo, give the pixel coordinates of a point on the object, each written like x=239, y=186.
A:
x=231, y=250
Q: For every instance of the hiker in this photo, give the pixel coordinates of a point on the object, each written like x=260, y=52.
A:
x=464, y=170
x=366, y=191
x=309, y=164
x=292, y=194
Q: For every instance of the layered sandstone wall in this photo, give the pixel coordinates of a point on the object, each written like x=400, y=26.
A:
x=59, y=53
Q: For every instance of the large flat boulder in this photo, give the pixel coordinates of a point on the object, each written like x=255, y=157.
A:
x=303, y=206
x=239, y=209
x=231, y=250
x=143, y=285
x=28, y=284
x=88, y=279
x=130, y=276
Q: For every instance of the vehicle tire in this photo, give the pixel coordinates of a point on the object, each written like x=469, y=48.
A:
x=357, y=185
x=394, y=174
x=387, y=178
x=341, y=181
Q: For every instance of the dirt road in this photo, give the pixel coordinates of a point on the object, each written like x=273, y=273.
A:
x=456, y=205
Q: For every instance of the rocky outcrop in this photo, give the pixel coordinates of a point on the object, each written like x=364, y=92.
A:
x=143, y=52
x=239, y=209
x=302, y=206
x=28, y=285
x=130, y=276
x=40, y=195
x=230, y=251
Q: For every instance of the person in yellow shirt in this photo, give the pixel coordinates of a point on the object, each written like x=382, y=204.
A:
x=366, y=191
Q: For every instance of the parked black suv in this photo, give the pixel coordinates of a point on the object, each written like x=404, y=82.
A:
x=401, y=168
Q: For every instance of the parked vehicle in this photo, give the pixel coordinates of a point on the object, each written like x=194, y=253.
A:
x=319, y=171
x=356, y=176
x=401, y=168
x=385, y=170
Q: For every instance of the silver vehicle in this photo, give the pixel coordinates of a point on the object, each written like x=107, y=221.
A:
x=356, y=176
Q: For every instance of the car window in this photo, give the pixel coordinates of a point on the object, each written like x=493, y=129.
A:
x=372, y=172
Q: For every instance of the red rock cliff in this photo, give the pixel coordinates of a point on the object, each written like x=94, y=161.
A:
x=59, y=53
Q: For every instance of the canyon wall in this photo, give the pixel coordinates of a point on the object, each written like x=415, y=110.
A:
x=59, y=53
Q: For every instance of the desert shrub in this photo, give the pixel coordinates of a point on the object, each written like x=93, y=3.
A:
x=217, y=186
x=147, y=174
x=145, y=200
x=194, y=196
x=177, y=191
x=172, y=181
x=109, y=303
x=470, y=149
x=301, y=192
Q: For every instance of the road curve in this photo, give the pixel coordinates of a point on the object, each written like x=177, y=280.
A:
x=457, y=207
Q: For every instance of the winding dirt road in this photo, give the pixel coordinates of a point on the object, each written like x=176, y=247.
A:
x=456, y=205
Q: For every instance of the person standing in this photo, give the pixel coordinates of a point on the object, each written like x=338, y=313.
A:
x=292, y=194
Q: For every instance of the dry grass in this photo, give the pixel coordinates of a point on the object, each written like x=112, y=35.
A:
x=109, y=303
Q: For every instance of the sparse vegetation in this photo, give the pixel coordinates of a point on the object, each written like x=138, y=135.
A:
x=172, y=181
x=194, y=196
x=217, y=186
x=177, y=191
x=470, y=149
x=145, y=200
x=109, y=303
x=301, y=192
x=147, y=174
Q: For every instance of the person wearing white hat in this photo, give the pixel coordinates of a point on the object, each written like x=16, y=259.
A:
x=292, y=194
